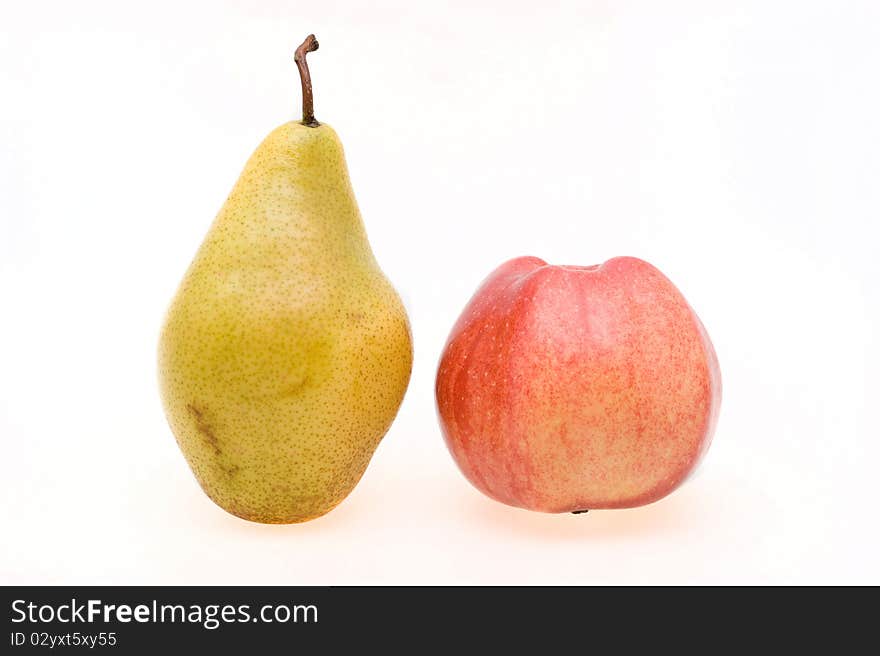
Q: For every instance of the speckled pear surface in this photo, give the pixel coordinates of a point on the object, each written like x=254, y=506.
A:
x=286, y=352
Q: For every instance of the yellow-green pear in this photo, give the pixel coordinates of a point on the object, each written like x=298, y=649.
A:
x=286, y=353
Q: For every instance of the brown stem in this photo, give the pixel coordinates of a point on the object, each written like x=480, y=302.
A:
x=307, y=46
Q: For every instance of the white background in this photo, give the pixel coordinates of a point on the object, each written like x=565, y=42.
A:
x=733, y=145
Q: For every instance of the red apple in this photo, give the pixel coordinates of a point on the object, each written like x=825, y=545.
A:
x=567, y=388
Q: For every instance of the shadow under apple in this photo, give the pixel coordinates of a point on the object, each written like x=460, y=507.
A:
x=678, y=513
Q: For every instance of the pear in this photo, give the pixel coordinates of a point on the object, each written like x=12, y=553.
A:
x=285, y=353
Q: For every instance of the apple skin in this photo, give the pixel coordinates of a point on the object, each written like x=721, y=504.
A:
x=566, y=388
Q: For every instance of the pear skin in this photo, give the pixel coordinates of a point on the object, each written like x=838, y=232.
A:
x=285, y=353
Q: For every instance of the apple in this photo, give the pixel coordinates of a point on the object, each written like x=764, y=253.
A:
x=570, y=388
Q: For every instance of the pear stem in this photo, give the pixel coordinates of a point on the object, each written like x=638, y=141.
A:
x=307, y=46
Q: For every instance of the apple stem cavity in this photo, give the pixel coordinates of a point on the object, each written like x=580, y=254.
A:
x=579, y=512
x=307, y=46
